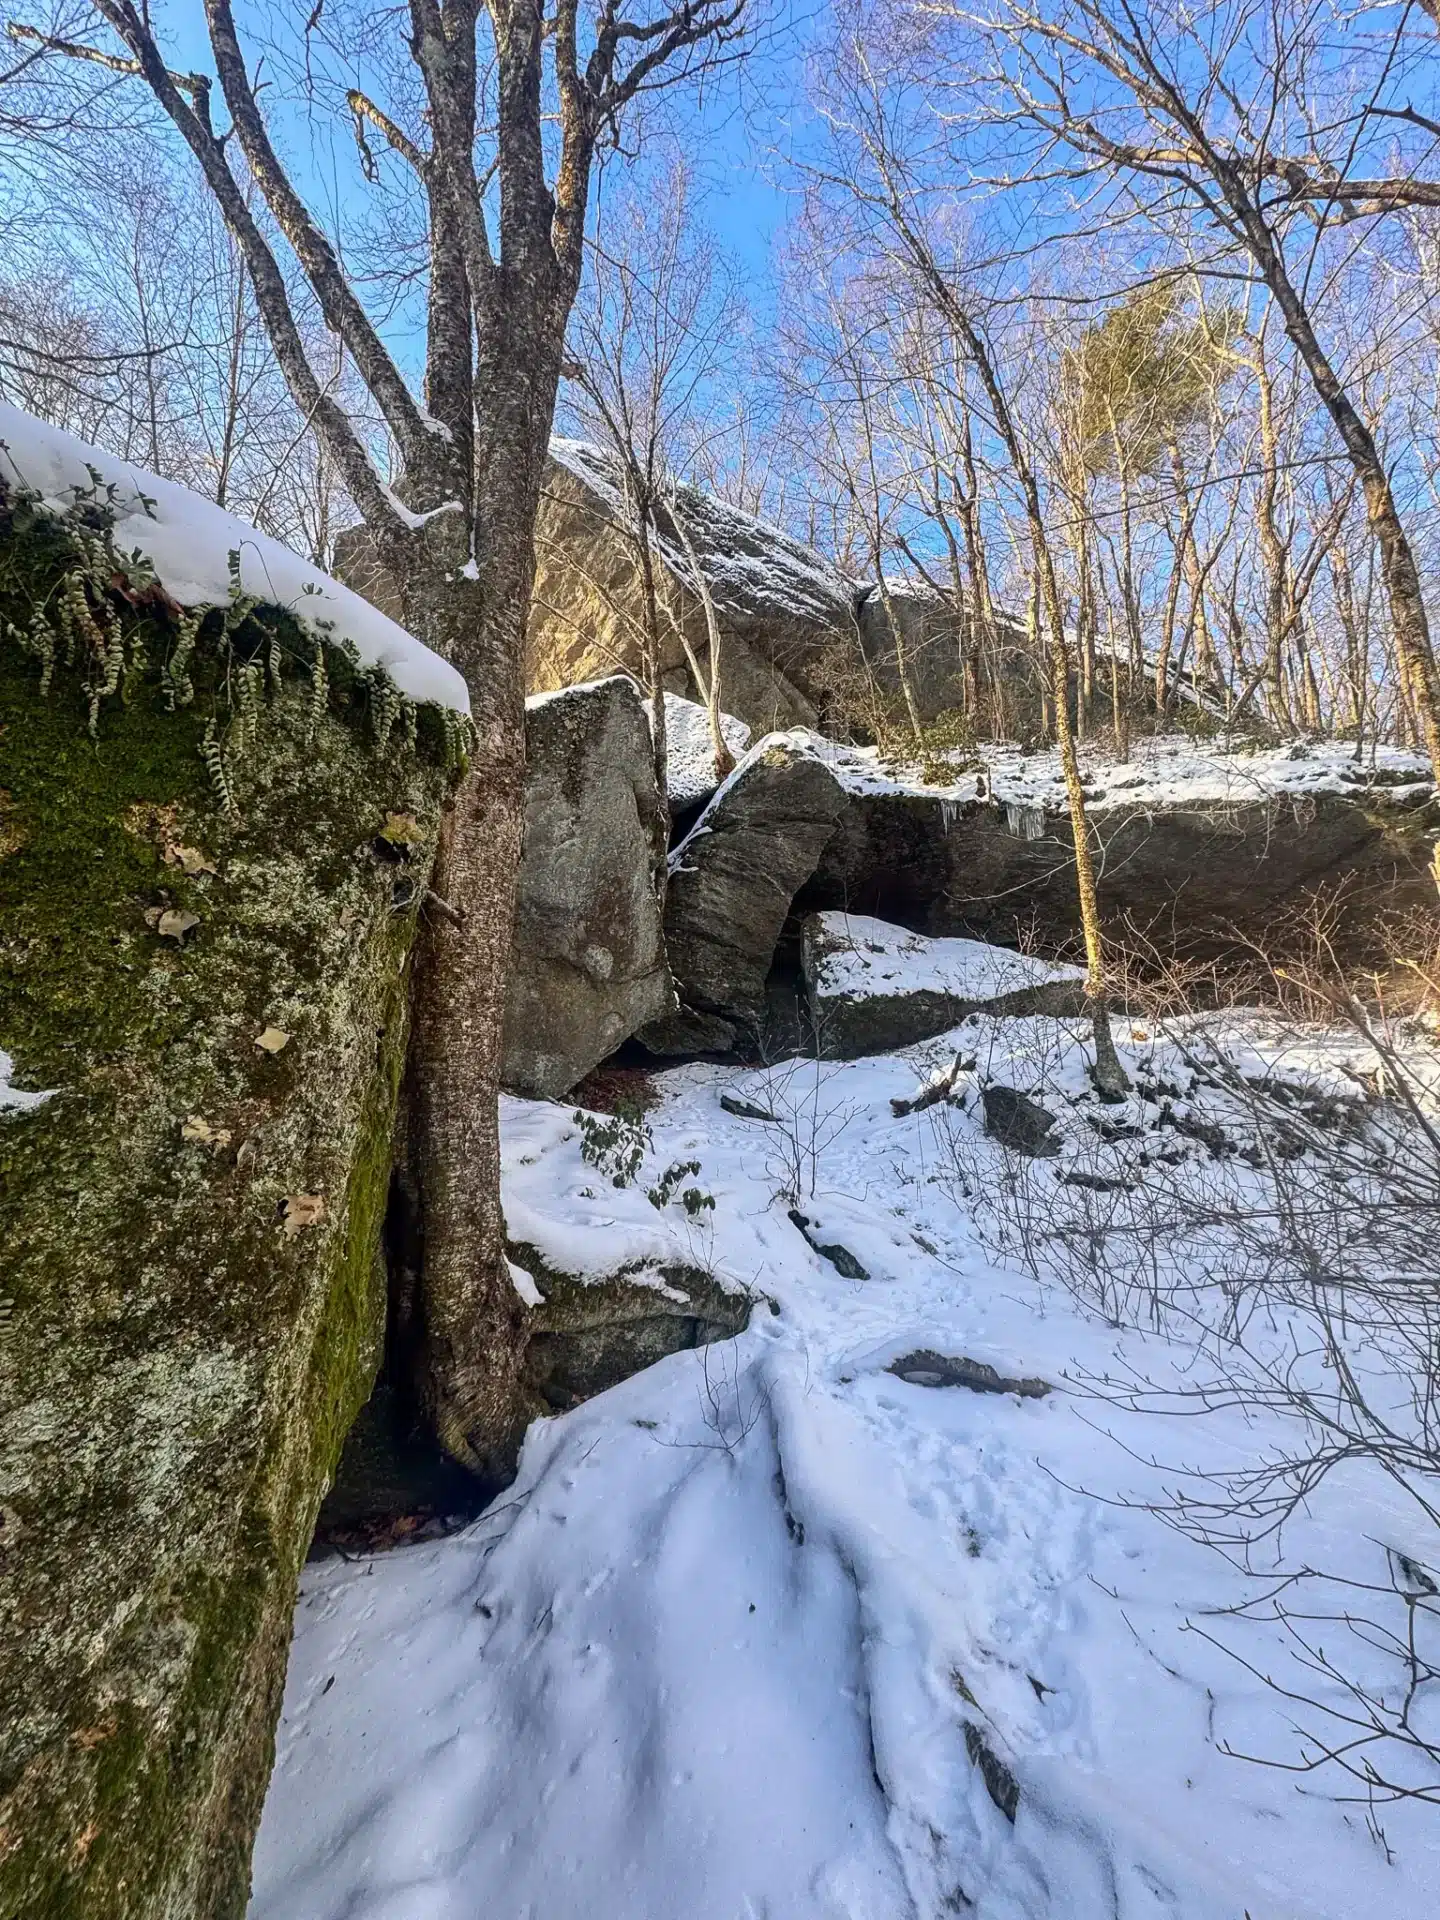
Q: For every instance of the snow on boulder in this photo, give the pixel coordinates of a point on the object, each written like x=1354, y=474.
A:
x=873, y=986
x=1201, y=852
x=200, y=554
x=690, y=776
x=587, y=963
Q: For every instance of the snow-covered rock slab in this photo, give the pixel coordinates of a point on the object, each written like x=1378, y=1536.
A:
x=690, y=776
x=873, y=986
x=189, y=543
x=1210, y=854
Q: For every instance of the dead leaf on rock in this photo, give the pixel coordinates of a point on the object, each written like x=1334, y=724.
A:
x=272, y=1040
x=189, y=860
x=302, y=1210
x=175, y=923
x=402, y=830
x=201, y=1131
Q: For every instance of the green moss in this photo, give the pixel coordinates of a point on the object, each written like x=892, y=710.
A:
x=179, y=1372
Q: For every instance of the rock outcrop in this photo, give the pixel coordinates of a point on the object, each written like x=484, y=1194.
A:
x=585, y=1335
x=733, y=879
x=194, y=1305
x=1202, y=855
x=872, y=986
x=588, y=958
x=785, y=614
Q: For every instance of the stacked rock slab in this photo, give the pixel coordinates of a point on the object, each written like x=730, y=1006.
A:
x=588, y=957
x=872, y=987
x=189, y=1227
x=733, y=879
x=1208, y=879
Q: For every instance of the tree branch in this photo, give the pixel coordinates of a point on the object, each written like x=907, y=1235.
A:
x=342, y=310
x=272, y=296
x=196, y=85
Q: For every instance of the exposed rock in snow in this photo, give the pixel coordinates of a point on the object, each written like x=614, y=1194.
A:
x=733, y=878
x=872, y=986
x=189, y=542
x=587, y=963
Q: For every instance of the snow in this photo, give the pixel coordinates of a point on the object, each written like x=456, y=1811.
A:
x=856, y=956
x=715, y=1654
x=14, y=1099
x=188, y=541
x=690, y=751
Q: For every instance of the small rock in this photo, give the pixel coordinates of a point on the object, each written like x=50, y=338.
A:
x=272, y=1040
x=926, y=1368
x=841, y=1258
x=1016, y=1121
x=744, y=1109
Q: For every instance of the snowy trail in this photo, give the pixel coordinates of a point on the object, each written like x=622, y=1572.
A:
x=768, y=1631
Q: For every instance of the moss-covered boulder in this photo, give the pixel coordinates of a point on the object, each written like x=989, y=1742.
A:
x=214, y=996
x=587, y=1333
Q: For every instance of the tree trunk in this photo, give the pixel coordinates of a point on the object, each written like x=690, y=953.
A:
x=468, y=1337
x=1397, y=561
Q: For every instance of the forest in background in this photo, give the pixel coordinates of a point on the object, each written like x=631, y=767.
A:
x=1077, y=192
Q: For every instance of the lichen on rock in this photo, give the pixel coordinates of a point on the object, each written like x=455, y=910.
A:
x=186, y=1346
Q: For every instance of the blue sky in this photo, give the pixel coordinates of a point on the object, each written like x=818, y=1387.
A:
x=730, y=130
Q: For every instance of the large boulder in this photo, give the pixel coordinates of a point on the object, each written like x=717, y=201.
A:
x=872, y=986
x=588, y=956
x=785, y=614
x=733, y=878
x=193, y=1299
x=1200, y=853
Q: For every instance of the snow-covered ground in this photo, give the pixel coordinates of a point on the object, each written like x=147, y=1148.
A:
x=770, y=1631
x=189, y=541
x=854, y=954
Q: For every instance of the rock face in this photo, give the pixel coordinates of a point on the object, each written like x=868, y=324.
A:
x=194, y=1301
x=588, y=960
x=872, y=986
x=785, y=614
x=733, y=879
x=1192, y=866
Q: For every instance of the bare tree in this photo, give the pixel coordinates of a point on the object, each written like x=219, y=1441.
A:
x=508, y=108
x=1197, y=114
x=645, y=343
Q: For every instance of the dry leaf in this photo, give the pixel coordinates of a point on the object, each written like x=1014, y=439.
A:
x=201, y=1131
x=401, y=830
x=273, y=1040
x=175, y=923
x=302, y=1210
x=189, y=859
